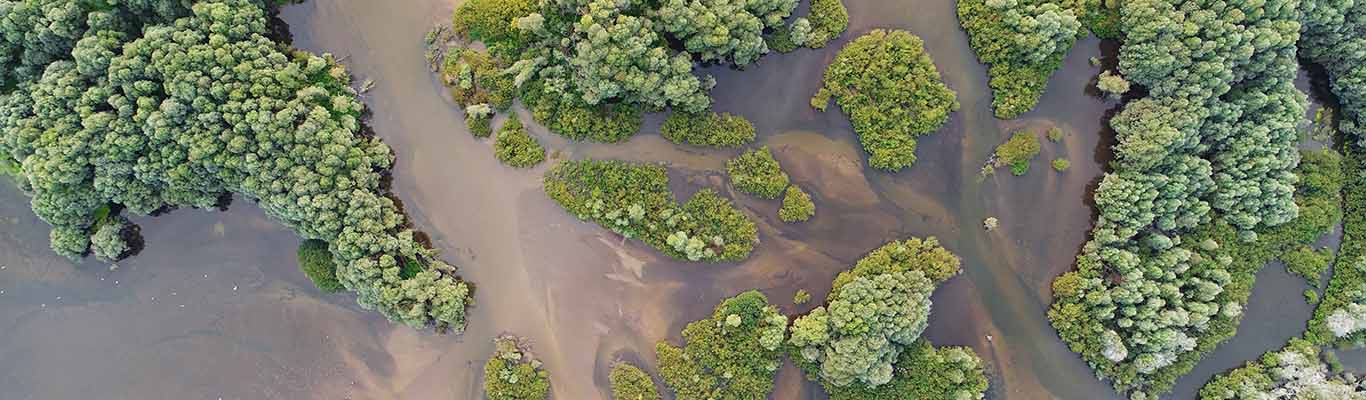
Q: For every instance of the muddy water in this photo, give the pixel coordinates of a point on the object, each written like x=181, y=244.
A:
x=252, y=328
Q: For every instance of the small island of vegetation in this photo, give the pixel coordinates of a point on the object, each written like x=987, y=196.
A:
x=634, y=201
x=892, y=92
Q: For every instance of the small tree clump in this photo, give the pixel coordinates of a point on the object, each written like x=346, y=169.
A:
x=110, y=241
x=630, y=383
x=1308, y=263
x=1055, y=134
x=865, y=342
x=801, y=297
x=892, y=92
x=515, y=147
x=1061, y=164
x=1113, y=85
x=756, y=172
x=1023, y=42
x=1017, y=152
x=634, y=200
x=734, y=354
x=479, y=119
x=708, y=129
x=513, y=373
x=797, y=205
x=828, y=19
x=316, y=262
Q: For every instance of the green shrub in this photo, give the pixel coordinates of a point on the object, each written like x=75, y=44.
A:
x=476, y=78
x=630, y=383
x=1055, y=134
x=801, y=297
x=781, y=40
x=514, y=147
x=1102, y=18
x=734, y=354
x=1060, y=164
x=757, y=173
x=316, y=262
x=577, y=120
x=892, y=92
x=491, y=21
x=634, y=200
x=1018, y=152
x=797, y=205
x=1023, y=42
x=828, y=19
x=708, y=129
x=1308, y=263
x=513, y=373
x=110, y=241
x=479, y=120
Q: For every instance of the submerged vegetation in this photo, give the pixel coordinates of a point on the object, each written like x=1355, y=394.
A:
x=734, y=354
x=892, y=92
x=149, y=106
x=634, y=200
x=1023, y=42
x=513, y=373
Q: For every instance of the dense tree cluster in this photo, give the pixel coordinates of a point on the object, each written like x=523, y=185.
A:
x=756, y=172
x=634, y=200
x=1294, y=372
x=515, y=147
x=1023, y=42
x=630, y=383
x=864, y=343
x=587, y=69
x=1017, y=152
x=925, y=372
x=892, y=92
x=797, y=205
x=150, y=105
x=1204, y=169
x=708, y=129
x=732, y=355
x=1146, y=321
x=723, y=30
x=513, y=373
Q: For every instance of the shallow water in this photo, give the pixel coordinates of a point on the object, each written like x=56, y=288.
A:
x=582, y=296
